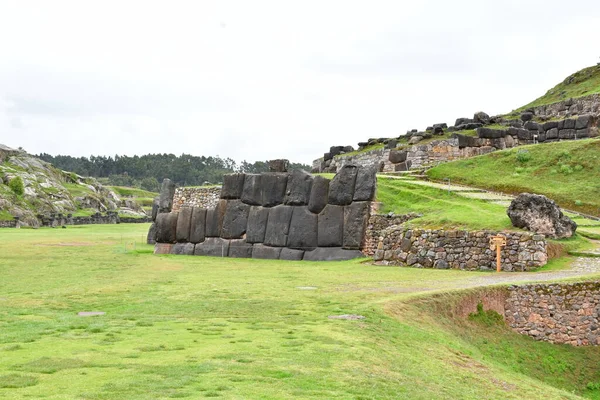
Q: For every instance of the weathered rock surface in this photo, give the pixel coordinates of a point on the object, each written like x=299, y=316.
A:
x=278, y=226
x=183, y=224
x=198, y=225
x=331, y=226
x=319, y=195
x=257, y=224
x=235, y=219
x=273, y=187
x=233, y=185
x=213, y=246
x=341, y=188
x=538, y=213
x=167, y=191
x=214, y=219
x=303, y=229
x=166, y=227
x=366, y=184
x=331, y=254
x=265, y=252
x=299, y=185
x=186, y=249
x=238, y=248
x=356, y=216
x=291, y=254
x=252, y=191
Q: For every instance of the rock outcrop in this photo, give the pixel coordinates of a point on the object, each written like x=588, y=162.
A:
x=540, y=214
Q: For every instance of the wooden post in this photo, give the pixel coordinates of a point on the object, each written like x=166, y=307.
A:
x=498, y=241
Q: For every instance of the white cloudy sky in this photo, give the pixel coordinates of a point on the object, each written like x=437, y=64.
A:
x=258, y=79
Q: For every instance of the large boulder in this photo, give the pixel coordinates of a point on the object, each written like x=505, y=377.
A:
x=331, y=226
x=214, y=219
x=273, y=186
x=266, y=252
x=233, y=184
x=167, y=191
x=481, y=117
x=151, y=237
x=257, y=224
x=397, y=156
x=299, y=184
x=303, y=229
x=538, y=213
x=341, y=188
x=166, y=227
x=331, y=254
x=186, y=249
x=235, y=220
x=198, y=225
x=278, y=226
x=238, y=248
x=212, y=246
x=356, y=216
x=319, y=195
x=183, y=224
x=252, y=191
x=366, y=182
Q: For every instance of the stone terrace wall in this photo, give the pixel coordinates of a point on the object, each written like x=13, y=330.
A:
x=378, y=223
x=569, y=107
x=206, y=197
x=459, y=249
x=556, y=313
x=290, y=216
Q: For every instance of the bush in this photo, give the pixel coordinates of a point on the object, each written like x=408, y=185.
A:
x=16, y=185
x=486, y=317
x=523, y=156
x=150, y=184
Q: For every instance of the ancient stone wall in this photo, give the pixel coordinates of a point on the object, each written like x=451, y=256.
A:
x=378, y=224
x=8, y=224
x=556, y=313
x=567, y=108
x=458, y=249
x=291, y=216
x=206, y=197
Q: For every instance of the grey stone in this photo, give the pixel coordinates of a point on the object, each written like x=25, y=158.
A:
x=397, y=156
x=273, y=188
x=155, y=207
x=238, y=248
x=550, y=125
x=526, y=116
x=569, y=123
x=291, y=254
x=331, y=226
x=166, y=227
x=279, y=165
x=265, y=252
x=233, y=185
x=319, y=194
x=341, y=188
x=186, y=249
x=539, y=214
x=582, y=133
x=403, y=166
x=151, y=237
x=278, y=226
x=489, y=133
x=331, y=254
x=481, y=117
x=235, y=220
x=356, y=216
x=198, y=225
x=252, y=191
x=167, y=191
x=441, y=264
x=184, y=220
x=391, y=144
x=552, y=134
x=303, y=229
x=582, y=122
x=366, y=183
x=405, y=245
x=532, y=126
x=566, y=134
x=257, y=224
x=213, y=246
x=214, y=219
x=299, y=185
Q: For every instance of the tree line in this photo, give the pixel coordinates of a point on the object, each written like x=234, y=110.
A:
x=149, y=170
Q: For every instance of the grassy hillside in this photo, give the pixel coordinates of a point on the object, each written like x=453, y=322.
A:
x=198, y=327
x=568, y=172
x=581, y=83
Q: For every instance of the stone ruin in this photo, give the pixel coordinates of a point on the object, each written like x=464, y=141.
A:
x=273, y=215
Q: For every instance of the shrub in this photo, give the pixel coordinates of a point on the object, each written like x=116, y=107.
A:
x=486, y=317
x=578, y=168
x=565, y=169
x=16, y=185
x=523, y=156
x=578, y=202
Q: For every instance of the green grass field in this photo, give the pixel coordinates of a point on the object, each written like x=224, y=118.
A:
x=200, y=327
x=568, y=172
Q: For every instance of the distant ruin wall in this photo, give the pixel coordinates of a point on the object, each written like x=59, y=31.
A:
x=556, y=313
x=206, y=197
x=457, y=249
x=569, y=107
x=291, y=216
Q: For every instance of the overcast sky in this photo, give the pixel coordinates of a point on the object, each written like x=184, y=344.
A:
x=258, y=80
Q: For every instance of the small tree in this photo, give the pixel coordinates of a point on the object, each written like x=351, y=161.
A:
x=151, y=184
x=16, y=185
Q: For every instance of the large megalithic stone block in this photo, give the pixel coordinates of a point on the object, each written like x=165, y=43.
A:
x=319, y=194
x=238, y=248
x=155, y=207
x=331, y=254
x=291, y=254
x=167, y=191
x=299, y=184
x=331, y=226
x=273, y=188
x=183, y=224
x=186, y=249
x=278, y=226
x=356, y=216
x=212, y=246
x=198, y=225
x=397, y=156
x=214, y=219
x=261, y=251
x=233, y=185
x=252, y=191
x=303, y=229
x=341, y=188
x=151, y=237
x=166, y=227
x=366, y=183
x=235, y=220
x=257, y=224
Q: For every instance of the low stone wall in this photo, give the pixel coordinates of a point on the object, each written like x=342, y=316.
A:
x=566, y=108
x=206, y=197
x=290, y=216
x=8, y=224
x=556, y=313
x=54, y=220
x=378, y=223
x=459, y=249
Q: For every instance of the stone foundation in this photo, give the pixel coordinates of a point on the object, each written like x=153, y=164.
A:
x=206, y=197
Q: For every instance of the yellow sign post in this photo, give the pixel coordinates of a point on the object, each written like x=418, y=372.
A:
x=498, y=242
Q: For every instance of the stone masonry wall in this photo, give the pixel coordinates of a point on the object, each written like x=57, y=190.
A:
x=556, y=313
x=459, y=249
x=290, y=216
x=566, y=108
x=206, y=197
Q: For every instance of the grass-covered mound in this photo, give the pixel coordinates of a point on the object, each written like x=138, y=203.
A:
x=568, y=172
x=580, y=84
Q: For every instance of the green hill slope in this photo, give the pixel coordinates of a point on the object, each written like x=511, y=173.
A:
x=568, y=172
x=580, y=84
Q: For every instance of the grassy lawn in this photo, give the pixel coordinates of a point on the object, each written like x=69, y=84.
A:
x=196, y=327
x=568, y=172
x=440, y=208
x=124, y=191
